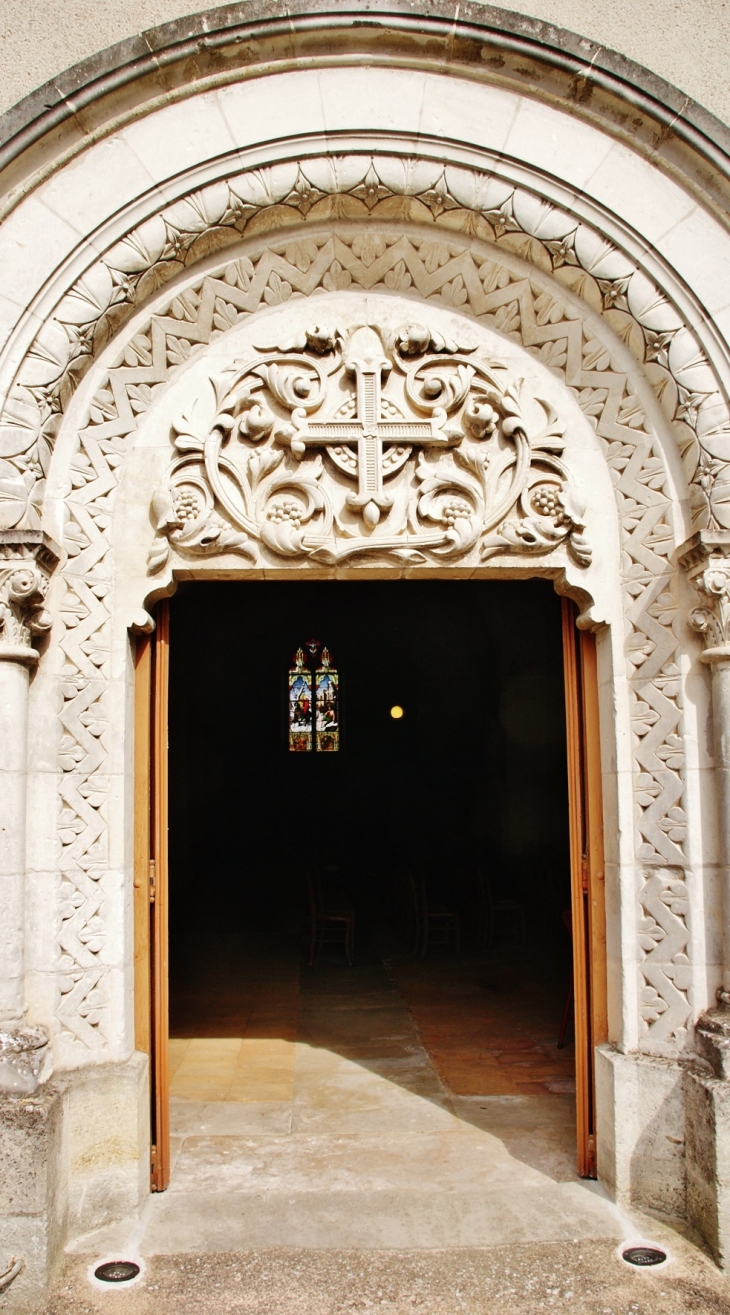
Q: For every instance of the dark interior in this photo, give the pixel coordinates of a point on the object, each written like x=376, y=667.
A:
x=474, y=773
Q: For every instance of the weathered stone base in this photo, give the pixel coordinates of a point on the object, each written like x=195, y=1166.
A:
x=641, y=1127
x=33, y=1192
x=73, y=1156
x=707, y=1104
x=707, y=1101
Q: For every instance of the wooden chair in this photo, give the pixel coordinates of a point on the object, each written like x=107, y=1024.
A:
x=436, y=924
x=491, y=910
x=329, y=922
x=414, y=913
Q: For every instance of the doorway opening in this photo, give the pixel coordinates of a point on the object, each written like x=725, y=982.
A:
x=454, y=834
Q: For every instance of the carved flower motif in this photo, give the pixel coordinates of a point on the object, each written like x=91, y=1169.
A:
x=25, y=584
x=371, y=189
x=322, y=338
x=368, y=248
x=716, y=582
x=256, y=422
x=304, y=194
x=413, y=340
x=480, y=419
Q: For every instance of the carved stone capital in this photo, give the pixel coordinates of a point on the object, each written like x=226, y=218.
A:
x=27, y=561
x=706, y=559
x=23, y=1058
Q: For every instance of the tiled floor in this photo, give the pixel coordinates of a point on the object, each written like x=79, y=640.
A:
x=480, y=1026
x=491, y=1026
x=391, y=1104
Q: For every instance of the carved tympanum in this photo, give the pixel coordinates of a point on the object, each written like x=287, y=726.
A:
x=336, y=444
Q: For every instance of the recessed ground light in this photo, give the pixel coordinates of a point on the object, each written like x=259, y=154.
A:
x=396, y=712
x=644, y=1256
x=117, y=1271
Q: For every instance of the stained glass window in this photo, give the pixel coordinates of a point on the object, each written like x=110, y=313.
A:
x=300, y=704
x=314, y=701
x=327, y=705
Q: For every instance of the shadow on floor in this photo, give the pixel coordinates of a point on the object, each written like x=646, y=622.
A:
x=474, y=1036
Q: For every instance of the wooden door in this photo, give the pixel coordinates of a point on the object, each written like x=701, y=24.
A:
x=150, y=882
x=151, y=877
x=587, y=874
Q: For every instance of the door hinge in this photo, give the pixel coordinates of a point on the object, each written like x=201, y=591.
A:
x=153, y=1168
x=584, y=871
x=153, y=881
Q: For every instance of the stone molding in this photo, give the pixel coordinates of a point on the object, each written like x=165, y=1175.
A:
x=215, y=47
x=489, y=206
x=27, y=561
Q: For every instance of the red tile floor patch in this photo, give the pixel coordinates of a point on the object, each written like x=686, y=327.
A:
x=491, y=1025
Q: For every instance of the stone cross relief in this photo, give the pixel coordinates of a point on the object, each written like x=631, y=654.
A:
x=369, y=430
x=446, y=462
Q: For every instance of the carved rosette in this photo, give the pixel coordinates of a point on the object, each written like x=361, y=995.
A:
x=27, y=561
x=335, y=445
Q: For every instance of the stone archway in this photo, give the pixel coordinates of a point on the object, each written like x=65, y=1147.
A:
x=584, y=365
x=539, y=242
x=367, y=443
x=560, y=330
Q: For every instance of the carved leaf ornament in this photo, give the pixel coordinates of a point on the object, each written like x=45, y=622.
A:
x=445, y=460
x=456, y=238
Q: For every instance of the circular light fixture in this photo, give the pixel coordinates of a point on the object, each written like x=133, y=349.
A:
x=396, y=712
x=117, y=1271
x=644, y=1255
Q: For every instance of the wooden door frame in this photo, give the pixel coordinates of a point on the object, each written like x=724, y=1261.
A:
x=585, y=813
x=151, y=959
x=587, y=873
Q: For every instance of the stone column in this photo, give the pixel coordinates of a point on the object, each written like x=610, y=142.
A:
x=27, y=558
x=706, y=558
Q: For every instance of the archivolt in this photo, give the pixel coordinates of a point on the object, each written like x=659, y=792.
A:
x=471, y=241
x=641, y=302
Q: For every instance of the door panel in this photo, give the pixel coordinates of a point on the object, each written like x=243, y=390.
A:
x=158, y=903
x=587, y=874
x=151, y=876
x=142, y=818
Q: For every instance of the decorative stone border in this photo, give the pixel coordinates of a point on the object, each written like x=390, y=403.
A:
x=223, y=44
x=560, y=326
x=489, y=206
